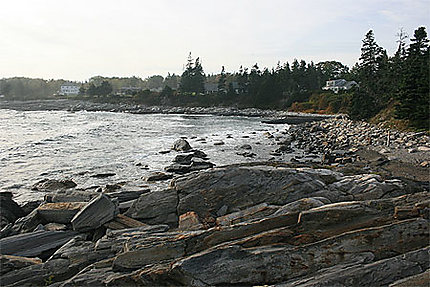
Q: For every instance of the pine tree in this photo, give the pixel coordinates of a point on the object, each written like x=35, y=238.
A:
x=414, y=94
x=193, y=78
x=222, y=81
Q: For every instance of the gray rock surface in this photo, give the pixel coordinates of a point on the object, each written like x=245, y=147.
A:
x=97, y=212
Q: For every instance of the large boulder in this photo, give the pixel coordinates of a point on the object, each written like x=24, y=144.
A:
x=48, y=185
x=181, y=145
x=10, y=210
x=34, y=244
x=61, y=212
x=96, y=213
x=156, y=207
x=240, y=187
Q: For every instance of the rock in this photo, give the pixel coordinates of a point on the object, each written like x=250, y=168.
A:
x=379, y=273
x=157, y=176
x=245, y=146
x=423, y=148
x=71, y=196
x=27, y=223
x=190, y=221
x=178, y=168
x=425, y=164
x=9, y=263
x=242, y=187
x=122, y=222
x=126, y=195
x=230, y=265
x=412, y=150
x=97, y=212
x=44, y=274
x=419, y=280
x=219, y=143
x=55, y=227
x=254, y=212
x=181, y=145
x=156, y=207
x=103, y=175
x=34, y=244
x=10, y=211
x=49, y=185
x=30, y=206
x=246, y=154
x=302, y=205
x=164, y=151
x=61, y=212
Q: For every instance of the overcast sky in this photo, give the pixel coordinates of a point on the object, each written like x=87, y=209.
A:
x=78, y=39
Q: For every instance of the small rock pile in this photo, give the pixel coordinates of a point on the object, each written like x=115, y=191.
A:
x=339, y=138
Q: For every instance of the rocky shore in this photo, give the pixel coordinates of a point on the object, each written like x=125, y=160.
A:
x=80, y=105
x=352, y=211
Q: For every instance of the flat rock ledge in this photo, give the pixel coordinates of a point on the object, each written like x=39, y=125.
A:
x=239, y=225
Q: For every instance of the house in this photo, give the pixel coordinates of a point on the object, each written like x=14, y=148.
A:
x=211, y=88
x=129, y=90
x=339, y=85
x=66, y=90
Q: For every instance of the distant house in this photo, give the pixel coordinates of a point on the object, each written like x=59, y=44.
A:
x=66, y=90
x=211, y=88
x=129, y=90
x=339, y=85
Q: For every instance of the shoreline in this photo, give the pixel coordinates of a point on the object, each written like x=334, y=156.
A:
x=364, y=205
x=80, y=105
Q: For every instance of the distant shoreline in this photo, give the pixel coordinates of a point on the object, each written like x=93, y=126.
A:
x=270, y=116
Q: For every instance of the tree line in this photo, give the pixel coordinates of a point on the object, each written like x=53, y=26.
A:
x=399, y=82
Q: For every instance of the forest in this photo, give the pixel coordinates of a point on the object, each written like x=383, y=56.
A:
x=392, y=87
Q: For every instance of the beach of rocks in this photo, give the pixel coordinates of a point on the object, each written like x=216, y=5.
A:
x=352, y=209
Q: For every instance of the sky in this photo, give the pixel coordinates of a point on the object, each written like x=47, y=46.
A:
x=78, y=39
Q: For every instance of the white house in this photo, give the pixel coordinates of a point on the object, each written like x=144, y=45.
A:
x=339, y=84
x=66, y=90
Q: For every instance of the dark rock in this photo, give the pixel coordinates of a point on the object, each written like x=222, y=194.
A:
x=103, y=175
x=157, y=176
x=10, y=210
x=61, y=212
x=156, y=207
x=181, y=145
x=34, y=244
x=27, y=223
x=10, y=263
x=126, y=195
x=97, y=212
x=379, y=273
x=246, y=154
x=49, y=185
x=123, y=222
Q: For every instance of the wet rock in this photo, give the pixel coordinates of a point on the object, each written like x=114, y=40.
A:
x=246, y=154
x=181, y=145
x=34, y=244
x=71, y=196
x=97, y=212
x=49, y=185
x=178, y=168
x=61, y=212
x=10, y=211
x=156, y=207
x=219, y=143
x=158, y=176
x=245, y=146
x=126, y=195
x=103, y=175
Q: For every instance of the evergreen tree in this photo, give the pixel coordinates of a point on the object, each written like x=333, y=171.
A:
x=193, y=78
x=222, y=81
x=414, y=94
